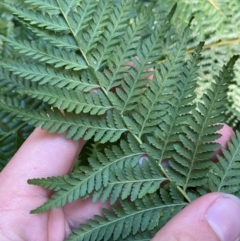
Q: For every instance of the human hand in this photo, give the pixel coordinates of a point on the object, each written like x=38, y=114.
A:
x=44, y=155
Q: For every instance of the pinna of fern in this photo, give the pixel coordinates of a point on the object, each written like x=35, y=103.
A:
x=134, y=117
x=217, y=24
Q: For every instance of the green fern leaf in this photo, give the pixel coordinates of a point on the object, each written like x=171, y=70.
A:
x=71, y=100
x=134, y=181
x=77, y=15
x=60, y=40
x=135, y=81
x=51, y=183
x=113, y=71
x=102, y=129
x=48, y=54
x=144, y=215
x=112, y=77
x=14, y=131
x=82, y=184
x=224, y=174
x=145, y=236
x=54, y=22
x=10, y=126
x=190, y=162
x=111, y=35
x=8, y=81
x=160, y=93
x=91, y=37
x=181, y=105
x=43, y=75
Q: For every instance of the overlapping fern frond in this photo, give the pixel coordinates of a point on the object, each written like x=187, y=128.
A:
x=125, y=80
x=145, y=214
x=196, y=146
x=95, y=177
x=219, y=26
x=224, y=174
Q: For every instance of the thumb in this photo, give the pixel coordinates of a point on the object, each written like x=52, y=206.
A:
x=212, y=217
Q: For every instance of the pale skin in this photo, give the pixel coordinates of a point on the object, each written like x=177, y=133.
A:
x=44, y=155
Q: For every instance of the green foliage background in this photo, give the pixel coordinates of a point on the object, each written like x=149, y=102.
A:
x=163, y=121
x=217, y=24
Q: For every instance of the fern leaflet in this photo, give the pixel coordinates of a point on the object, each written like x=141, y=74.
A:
x=104, y=128
x=71, y=100
x=224, y=174
x=133, y=181
x=48, y=54
x=82, y=184
x=191, y=164
x=145, y=214
x=54, y=22
x=43, y=75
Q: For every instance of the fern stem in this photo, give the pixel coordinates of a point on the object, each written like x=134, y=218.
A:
x=178, y=187
x=137, y=138
x=73, y=33
x=164, y=172
x=184, y=194
x=198, y=142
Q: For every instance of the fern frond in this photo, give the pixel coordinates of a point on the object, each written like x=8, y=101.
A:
x=129, y=218
x=91, y=36
x=224, y=175
x=129, y=95
x=51, y=183
x=46, y=53
x=111, y=71
x=54, y=22
x=64, y=41
x=84, y=126
x=219, y=29
x=134, y=181
x=8, y=146
x=8, y=81
x=135, y=81
x=14, y=131
x=112, y=33
x=77, y=15
x=71, y=100
x=179, y=108
x=125, y=50
x=191, y=160
x=83, y=183
x=160, y=94
x=44, y=75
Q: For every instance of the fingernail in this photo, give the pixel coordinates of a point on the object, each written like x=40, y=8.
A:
x=223, y=217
